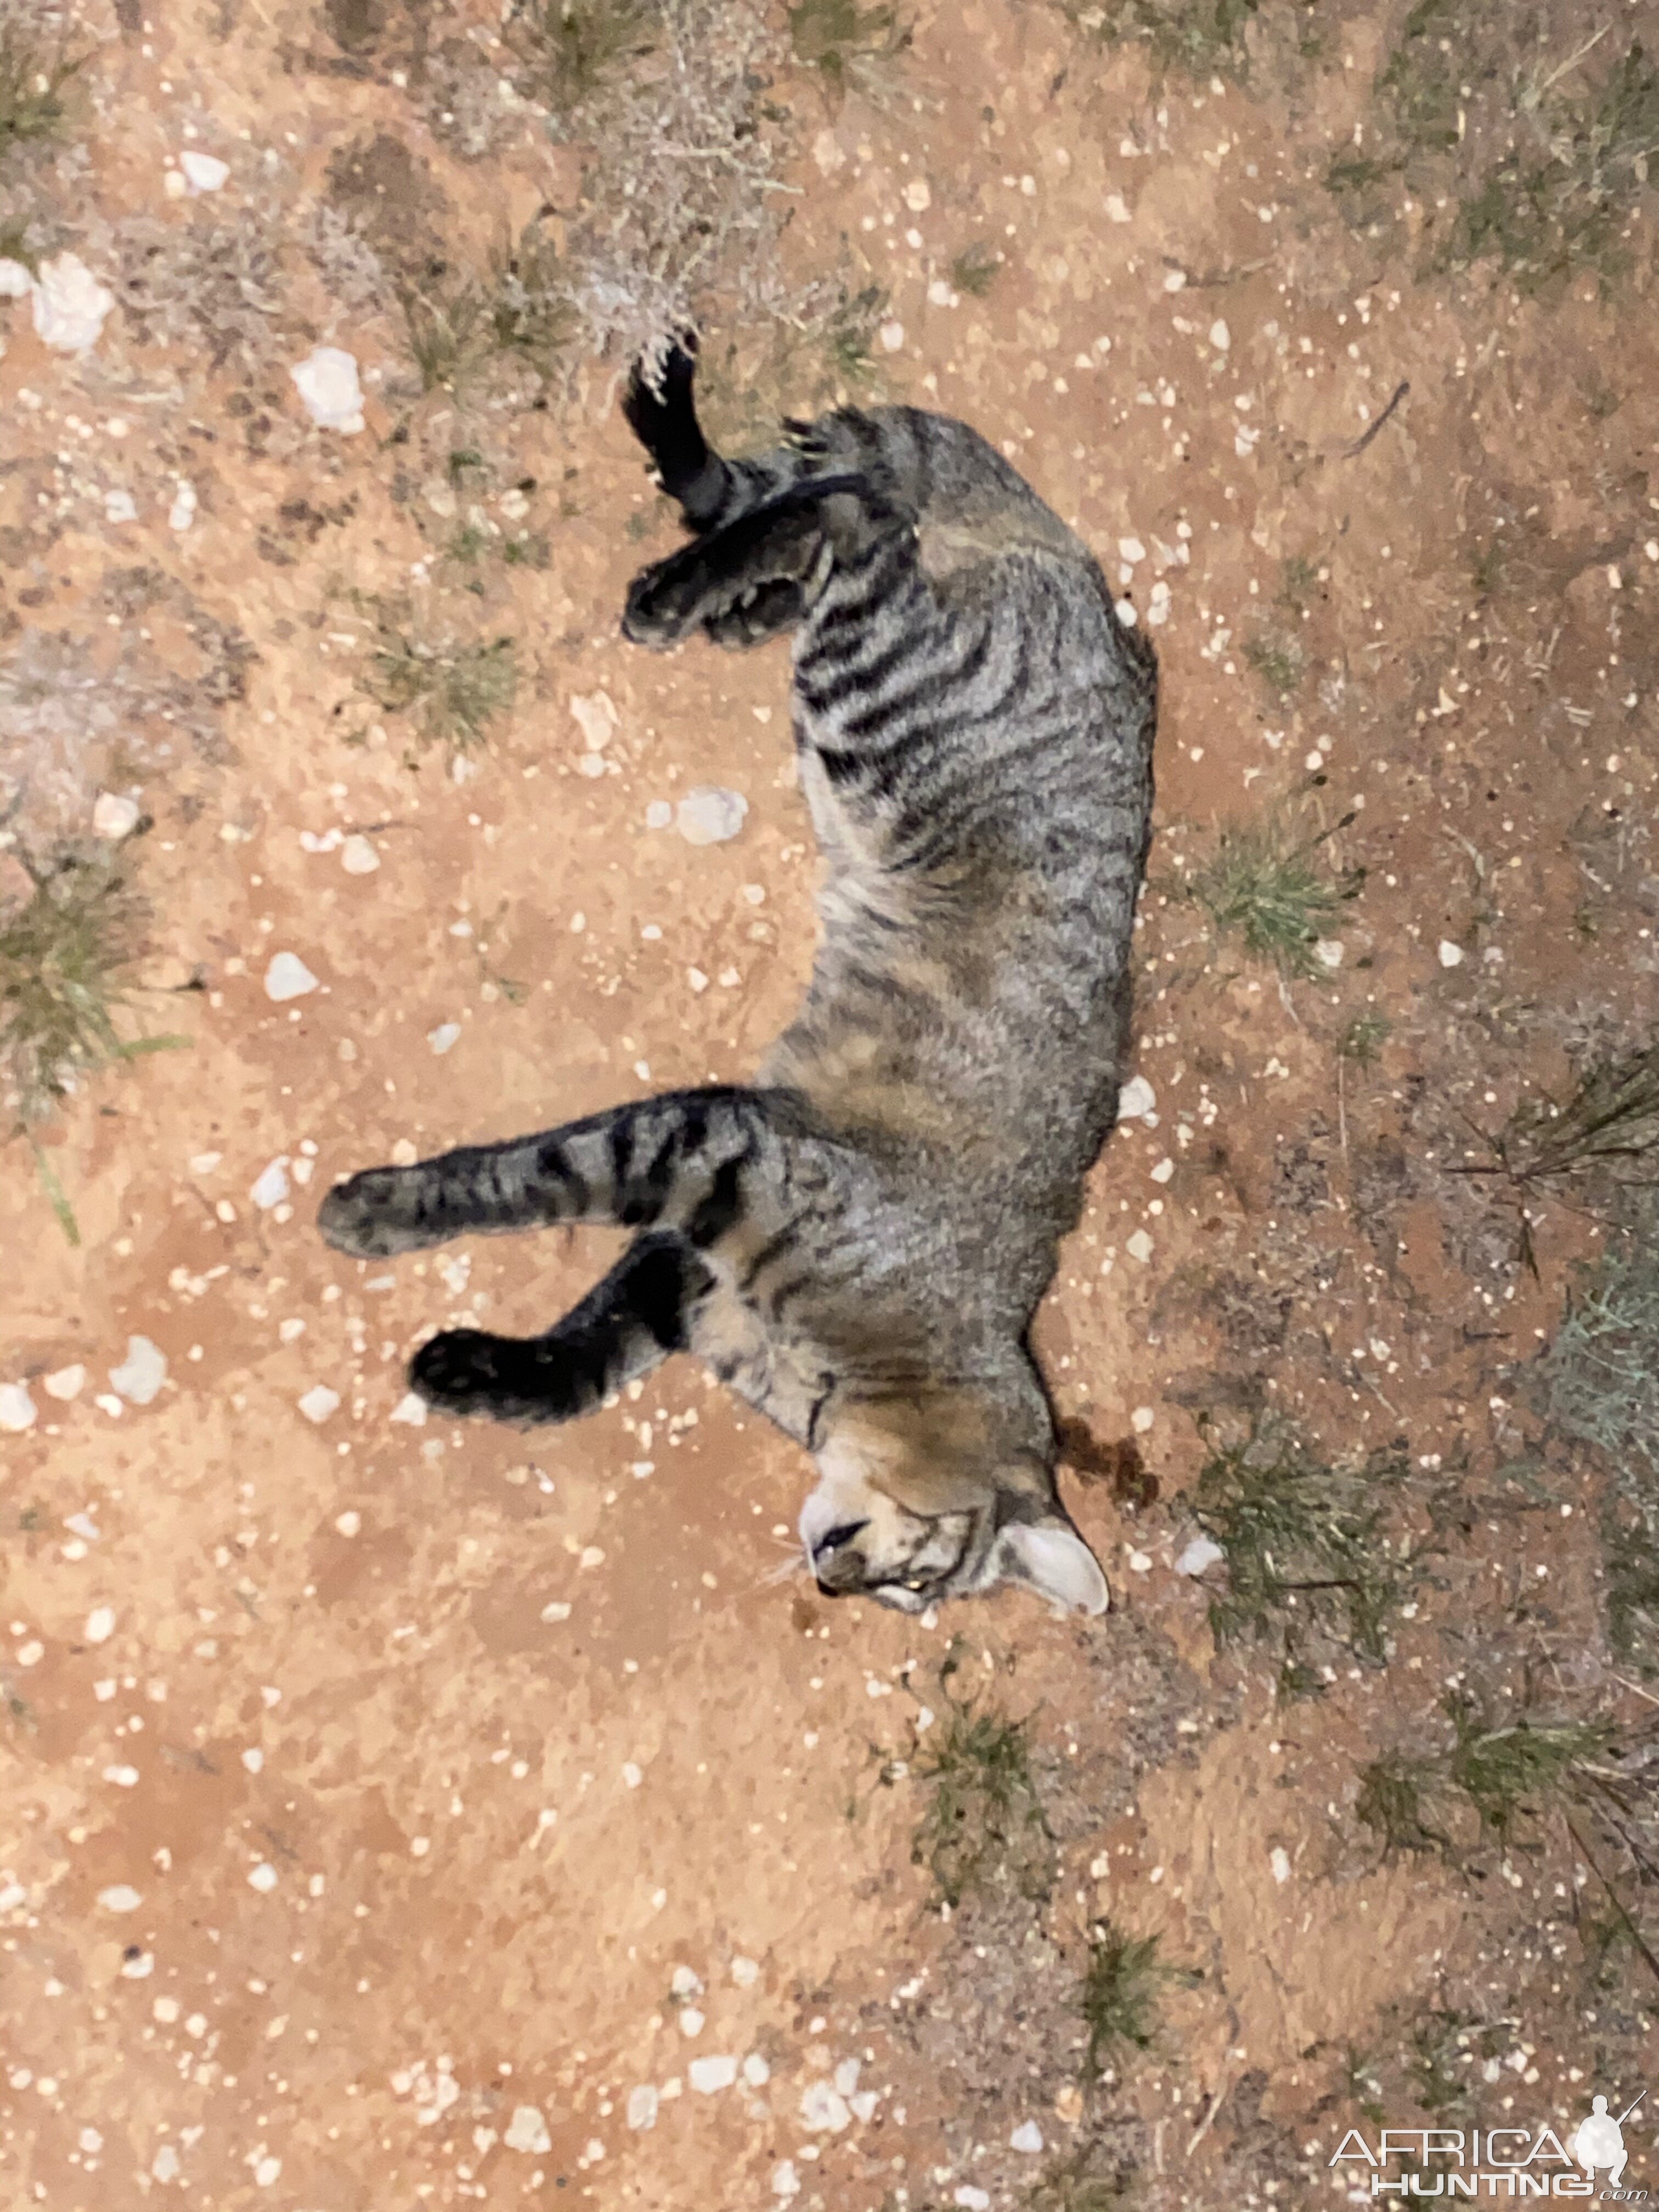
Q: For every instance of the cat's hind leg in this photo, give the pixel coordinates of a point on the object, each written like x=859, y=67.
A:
x=643, y=1310
x=748, y=579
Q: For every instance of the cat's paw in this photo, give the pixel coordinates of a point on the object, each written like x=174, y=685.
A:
x=458, y=1371
x=664, y=602
x=370, y=1216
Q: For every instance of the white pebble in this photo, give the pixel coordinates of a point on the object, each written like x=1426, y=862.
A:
x=114, y=815
x=1139, y=1246
x=1139, y=1562
x=1116, y=208
x=710, y=815
x=1279, y=1860
x=658, y=814
x=1027, y=2136
x=326, y=380
x=267, y=2171
x=823, y=2110
x=847, y=2076
x=358, y=857
x=1220, y=336
x=1328, y=952
x=253, y=1759
x=686, y=1982
x=69, y=304
x=556, y=1611
x=744, y=1973
x=917, y=197
x=1131, y=549
x=262, y=1877
x=63, y=1383
x=348, y=1523
x=971, y=2199
x=100, y=1625
x=203, y=172
x=142, y=1373
x=15, y=280
x=1136, y=1099
x=1451, y=956
x=120, y=1897
x=319, y=1402
x=182, y=512
x=124, y=1777
x=17, y=1408
x=631, y=1774
x=597, y=718
x=892, y=337
x=411, y=1409
x=785, y=2182
x=272, y=1186
x=642, y=2108
x=1163, y=1170
x=1142, y=1419
x=708, y=2076
x=287, y=977
x=691, y=2021
x=1158, y=605
x=527, y=2130
x=1200, y=1556
x=755, y=2071
x=446, y=1035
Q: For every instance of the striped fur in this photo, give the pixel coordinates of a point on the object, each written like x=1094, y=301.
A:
x=857, y=1243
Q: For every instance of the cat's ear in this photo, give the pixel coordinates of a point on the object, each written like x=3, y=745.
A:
x=1050, y=1558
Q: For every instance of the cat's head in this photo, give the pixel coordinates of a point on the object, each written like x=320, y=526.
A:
x=910, y=1522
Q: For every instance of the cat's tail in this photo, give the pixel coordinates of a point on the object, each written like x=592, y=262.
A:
x=641, y=1311
x=681, y=1160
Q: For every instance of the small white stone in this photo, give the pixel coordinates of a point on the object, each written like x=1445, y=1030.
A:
x=527, y=2130
x=686, y=1982
x=182, y=512
x=917, y=197
x=744, y=1973
x=755, y=2071
x=253, y=1759
x=1131, y=549
x=319, y=1402
x=631, y=1774
x=287, y=977
x=1117, y=208
x=409, y=1409
x=100, y=1625
x=1279, y=1860
x=124, y=1777
x=785, y=2182
x=120, y=1897
x=1158, y=603
x=1136, y=1099
x=823, y=2110
x=139, y=1969
x=1139, y=1562
x=1142, y=1419
x=708, y=2075
x=262, y=1877
x=267, y=2172
x=1028, y=2137
x=1220, y=336
x=114, y=815
x=119, y=505
x=642, y=2108
x=446, y=1035
x=142, y=1373
x=326, y=380
x=17, y=1408
x=847, y=2076
x=710, y=815
x=597, y=718
x=557, y=1610
x=358, y=857
x=69, y=304
x=1451, y=956
x=164, y=2167
x=691, y=2021
x=63, y=1383
x=1139, y=1246
x=348, y=1523
x=971, y=2199
x=658, y=814
x=1328, y=952
x=891, y=336
x=1125, y=611
x=203, y=172
x=272, y=1186
x=1200, y=1556
x=15, y=282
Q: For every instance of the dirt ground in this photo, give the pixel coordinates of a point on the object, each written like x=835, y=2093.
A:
x=402, y=1816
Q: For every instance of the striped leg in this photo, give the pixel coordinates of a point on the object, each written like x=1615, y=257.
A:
x=644, y=1308
x=679, y=1160
x=747, y=579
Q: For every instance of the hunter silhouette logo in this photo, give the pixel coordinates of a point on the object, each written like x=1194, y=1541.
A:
x=1600, y=2141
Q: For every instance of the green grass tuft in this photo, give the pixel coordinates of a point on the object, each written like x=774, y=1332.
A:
x=847, y=41
x=1307, y=1550
x=61, y=955
x=1390, y=1804
x=1197, y=38
x=34, y=75
x=1278, y=660
x=1506, y=1772
x=1262, y=885
x=984, y=1828
x=1363, y=1037
x=569, y=51
x=975, y=270
x=1121, y=1999
x=451, y=697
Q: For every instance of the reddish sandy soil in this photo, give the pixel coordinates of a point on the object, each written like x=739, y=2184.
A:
x=366, y=1784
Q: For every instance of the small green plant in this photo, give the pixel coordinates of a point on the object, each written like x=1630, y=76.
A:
x=1506, y=1772
x=1121, y=1998
x=847, y=41
x=847, y=336
x=984, y=1827
x=1261, y=884
x=1307, y=1548
x=1363, y=1037
x=570, y=49
x=35, y=74
x=1436, y=2061
x=1390, y=1804
x=451, y=697
x=1278, y=660
x=529, y=315
x=974, y=270
x=1419, y=79
x=61, y=955
x=1608, y=1130
x=1197, y=38
x=447, y=332
x=1299, y=580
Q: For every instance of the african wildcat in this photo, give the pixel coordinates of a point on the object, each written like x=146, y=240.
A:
x=858, y=1243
